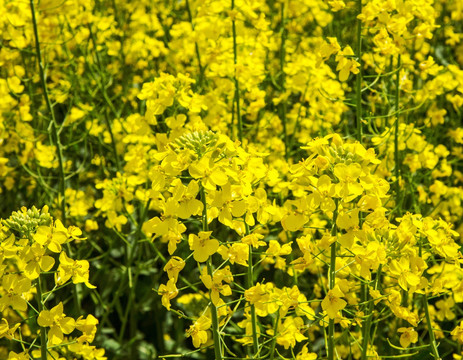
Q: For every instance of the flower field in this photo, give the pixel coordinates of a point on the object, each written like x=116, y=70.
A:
x=231, y=179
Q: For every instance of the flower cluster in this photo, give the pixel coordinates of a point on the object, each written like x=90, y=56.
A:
x=31, y=243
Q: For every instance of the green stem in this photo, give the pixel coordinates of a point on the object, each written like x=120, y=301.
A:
x=198, y=56
x=43, y=331
x=108, y=100
x=215, y=321
x=332, y=283
x=55, y=135
x=358, y=89
x=396, y=134
x=204, y=215
x=275, y=331
x=282, y=80
x=54, y=126
x=367, y=327
x=433, y=345
x=250, y=284
x=113, y=141
x=237, y=85
x=132, y=284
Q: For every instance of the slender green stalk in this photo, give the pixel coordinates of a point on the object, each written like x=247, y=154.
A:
x=283, y=79
x=55, y=134
x=53, y=124
x=113, y=141
x=198, y=56
x=433, y=344
x=358, y=88
x=120, y=22
x=332, y=283
x=204, y=215
x=108, y=100
x=250, y=284
x=43, y=331
x=132, y=283
x=369, y=311
x=298, y=119
x=275, y=331
x=396, y=133
x=330, y=350
x=215, y=321
x=237, y=85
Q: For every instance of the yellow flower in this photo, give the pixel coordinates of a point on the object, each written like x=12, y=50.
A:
x=348, y=187
x=323, y=196
x=275, y=251
x=445, y=307
x=457, y=333
x=406, y=276
x=336, y=5
x=305, y=355
x=210, y=176
x=74, y=232
x=58, y=323
x=290, y=332
x=295, y=220
x=187, y=205
x=346, y=63
x=202, y=245
x=176, y=122
x=260, y=296
x=51, y=237
x=36, y=261
x=169, y=228
x=198, y=331
x=332, y=303
x=18, y=356
x=327, y=49
x=370, y=257
x=409, y=335
x=68, y=268
x=238, y=253
x=6, y=331
x=246, y=324
x=215, y=283
x=14, y=286
x=88, y=328
x=254, y=240
x=293, y=299
x=174, y=266
x=45, y=155
x=51, y=355
x=168, y=292
x=86, y=350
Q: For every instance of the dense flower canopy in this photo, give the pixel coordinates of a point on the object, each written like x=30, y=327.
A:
x=231, y=179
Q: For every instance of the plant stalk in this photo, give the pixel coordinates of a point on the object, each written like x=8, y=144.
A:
x=358, y=88
x=198, y=56
x=396, y=134
x=283, y=79
x=367, y=327
x=215, y=321
x=235, y=78
x=250, y=284
x=43, y=331
x=53, y=124
x=332, y=283
x=433, y=344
